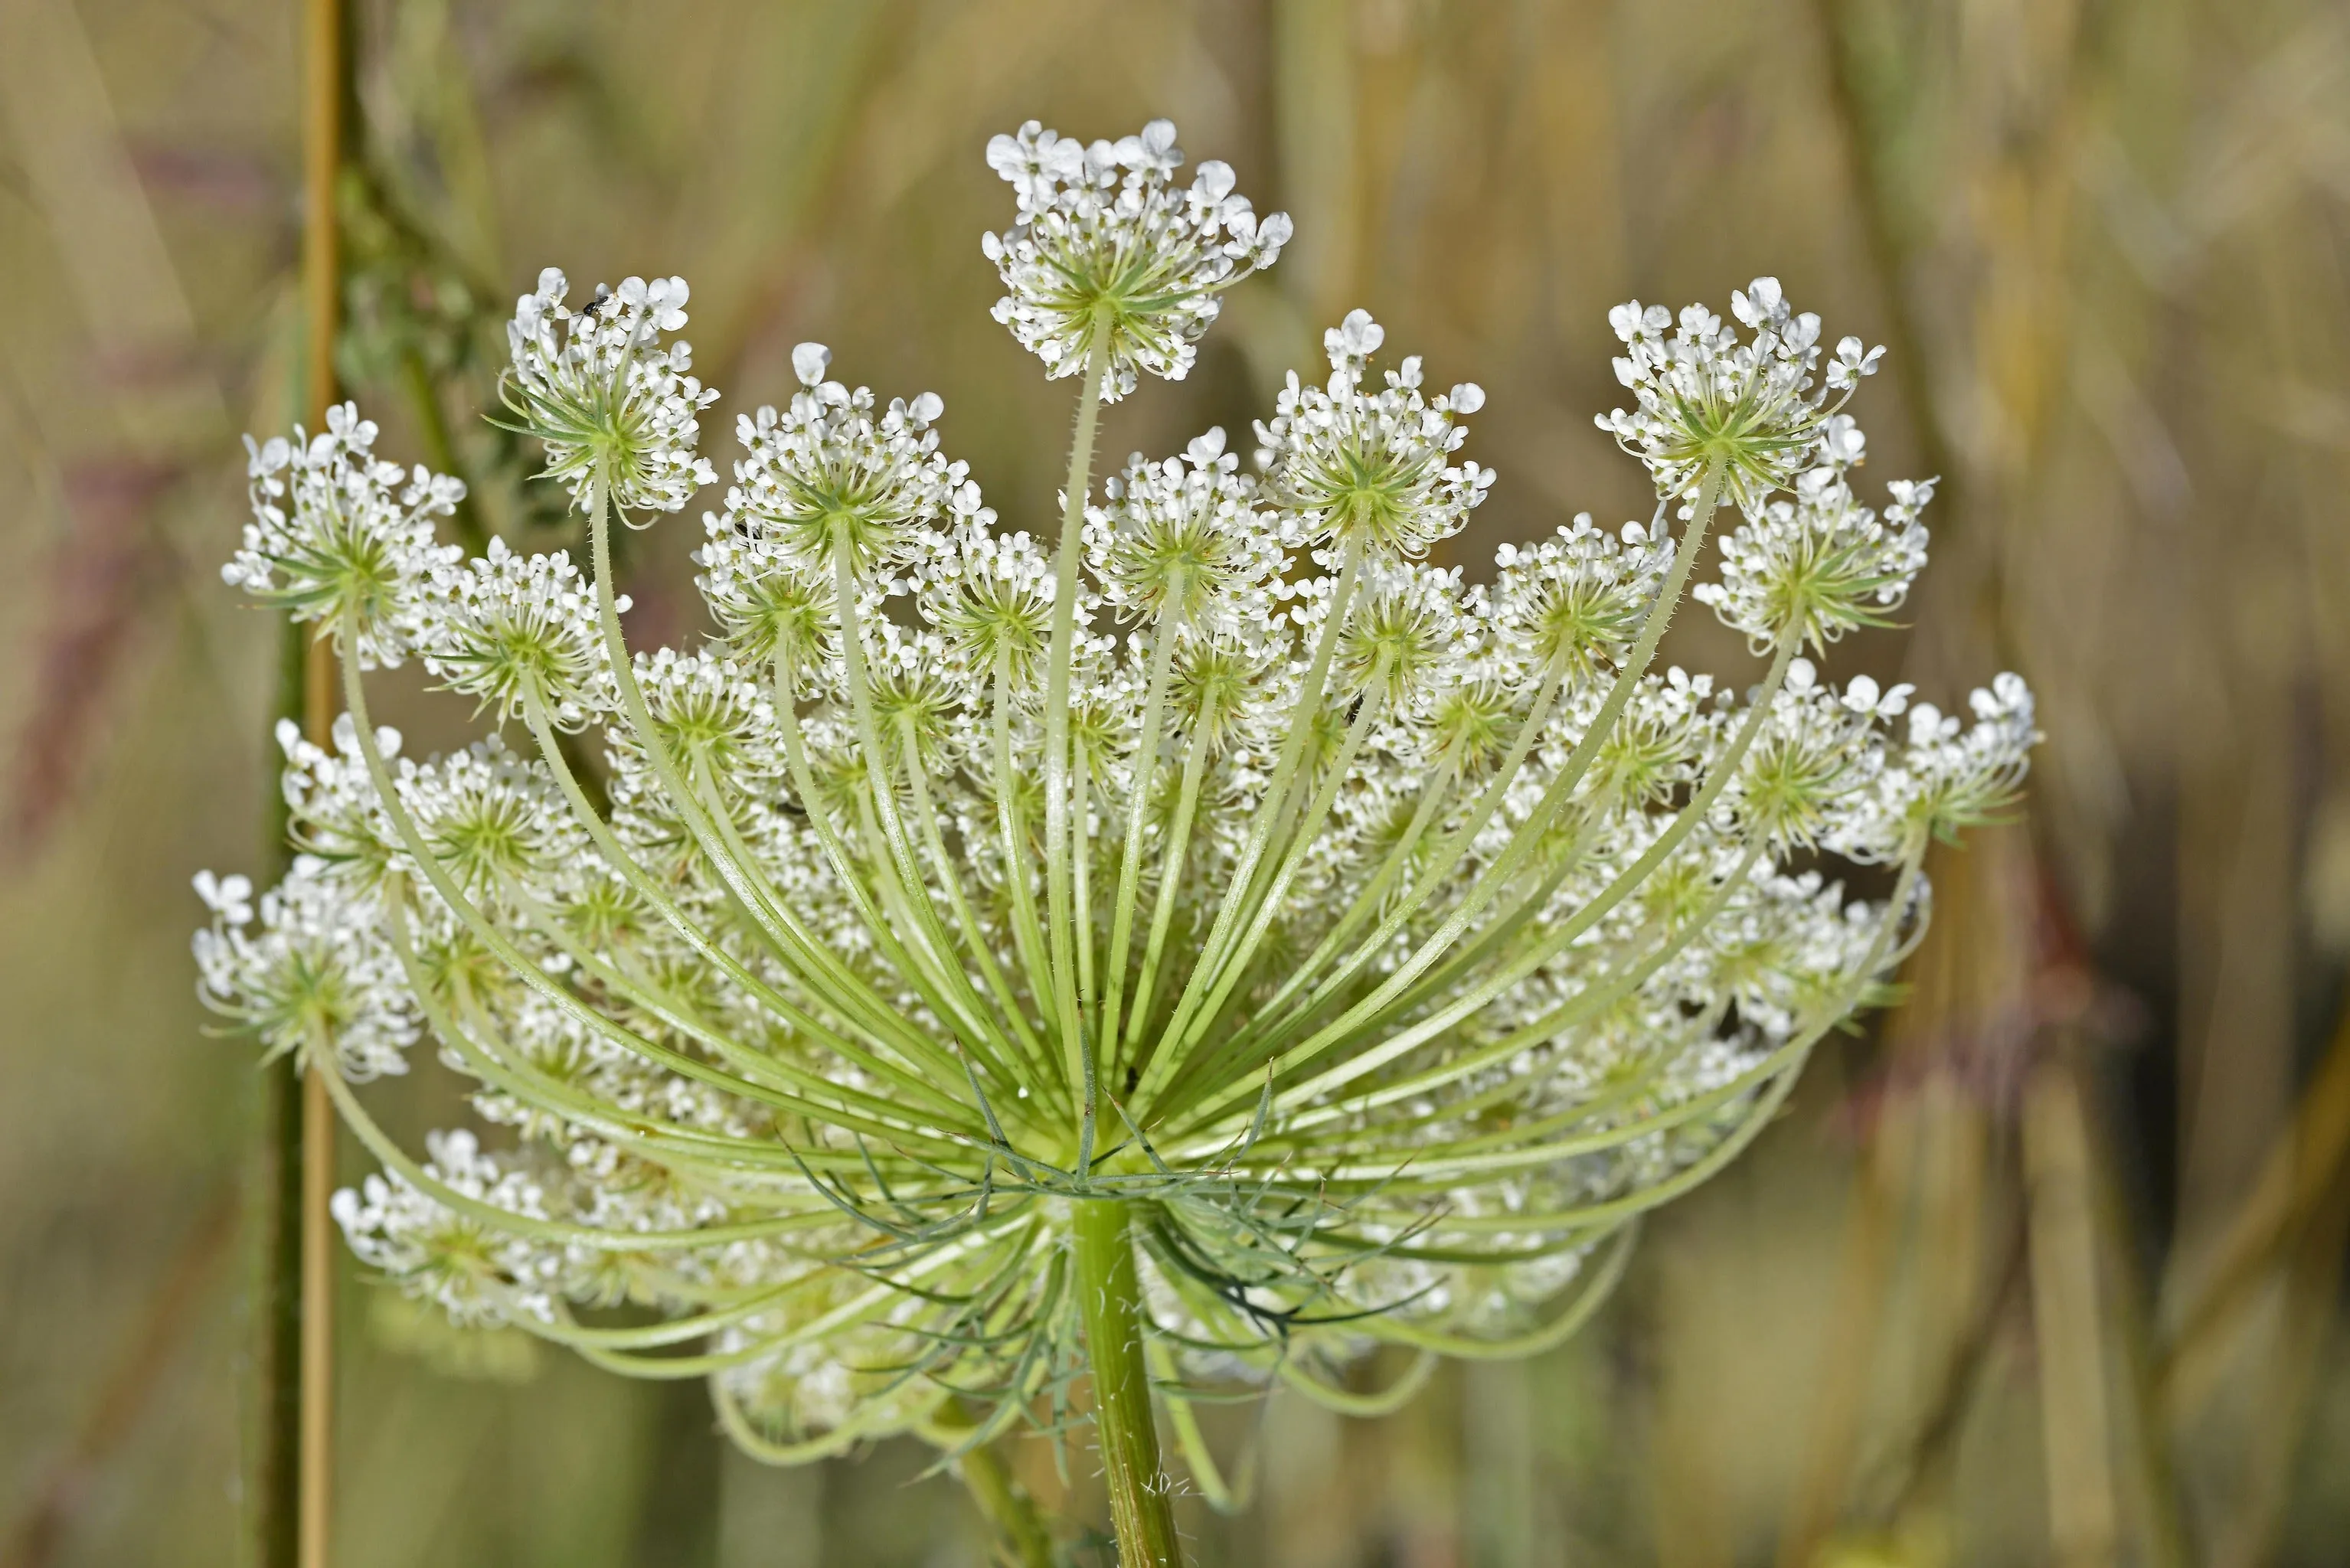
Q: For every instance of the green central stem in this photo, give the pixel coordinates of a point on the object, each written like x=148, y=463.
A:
x=1059, y=858
x=1109, y=1293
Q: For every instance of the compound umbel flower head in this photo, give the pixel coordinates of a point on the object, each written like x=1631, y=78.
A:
x=1108, y=251
x=1194, y=950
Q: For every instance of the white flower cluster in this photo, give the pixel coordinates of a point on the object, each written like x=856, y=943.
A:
x=1183, y=541
x=612, y=404
x=1109, y=254
x=337, y=532
x=1374, y=467
x=1952, y=775
x=474, y=1273
x=833, y=471
x=1577, y=601
x=988, y=596
x=1818, y=559
x=1383, y=942
x=506, y=628
x=1749, y=414
x=311, y=975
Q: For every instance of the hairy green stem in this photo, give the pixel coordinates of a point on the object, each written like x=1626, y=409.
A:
x=1368, y=899
x=926, y=819
x=1027, y=932
x=770, y=916
x=837, y=852
x=1604, y=993
x=1162, y=912
x=411, y=838
x=1555, y=941
x=1058, y=896
x=1269, y=904
x=753, y=1063
x=1110, y=1296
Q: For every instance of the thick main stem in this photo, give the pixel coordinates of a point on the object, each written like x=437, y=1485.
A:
x=1109, y=1295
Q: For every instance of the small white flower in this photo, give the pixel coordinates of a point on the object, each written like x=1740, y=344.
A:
x=1374, y=466
x=1747, y=411
x=612, y=403
x=1817, y=564
x=313, y=977
x=341, y=537
x=1107, y=250
x=230, y=896
x=511, y=629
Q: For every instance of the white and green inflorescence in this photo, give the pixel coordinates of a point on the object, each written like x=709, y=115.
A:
x=1216, y=885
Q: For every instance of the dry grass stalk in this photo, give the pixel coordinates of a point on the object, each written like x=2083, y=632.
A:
x=2083, y=1517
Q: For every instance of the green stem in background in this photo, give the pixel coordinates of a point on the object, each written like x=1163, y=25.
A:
x=1110, y=1296
x=1868, y=144
x=273, y=1472
x=1022, y=1539
x=440, y=447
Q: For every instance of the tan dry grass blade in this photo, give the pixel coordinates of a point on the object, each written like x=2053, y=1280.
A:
x=2284, y=1208
x=2076, y=1426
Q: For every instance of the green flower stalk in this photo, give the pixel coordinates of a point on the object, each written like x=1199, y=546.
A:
x=1016, y=978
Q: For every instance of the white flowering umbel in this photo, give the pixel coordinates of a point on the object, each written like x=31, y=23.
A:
x=1196, y=949
x=1108, y=251
x=1749, y=414
x=338, y=535
x=611, y=402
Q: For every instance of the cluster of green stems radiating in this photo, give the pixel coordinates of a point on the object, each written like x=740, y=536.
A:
x=1139, y=1079
x=1189, y=1081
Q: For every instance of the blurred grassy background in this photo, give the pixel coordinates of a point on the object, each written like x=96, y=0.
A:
x=2048, y=1270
